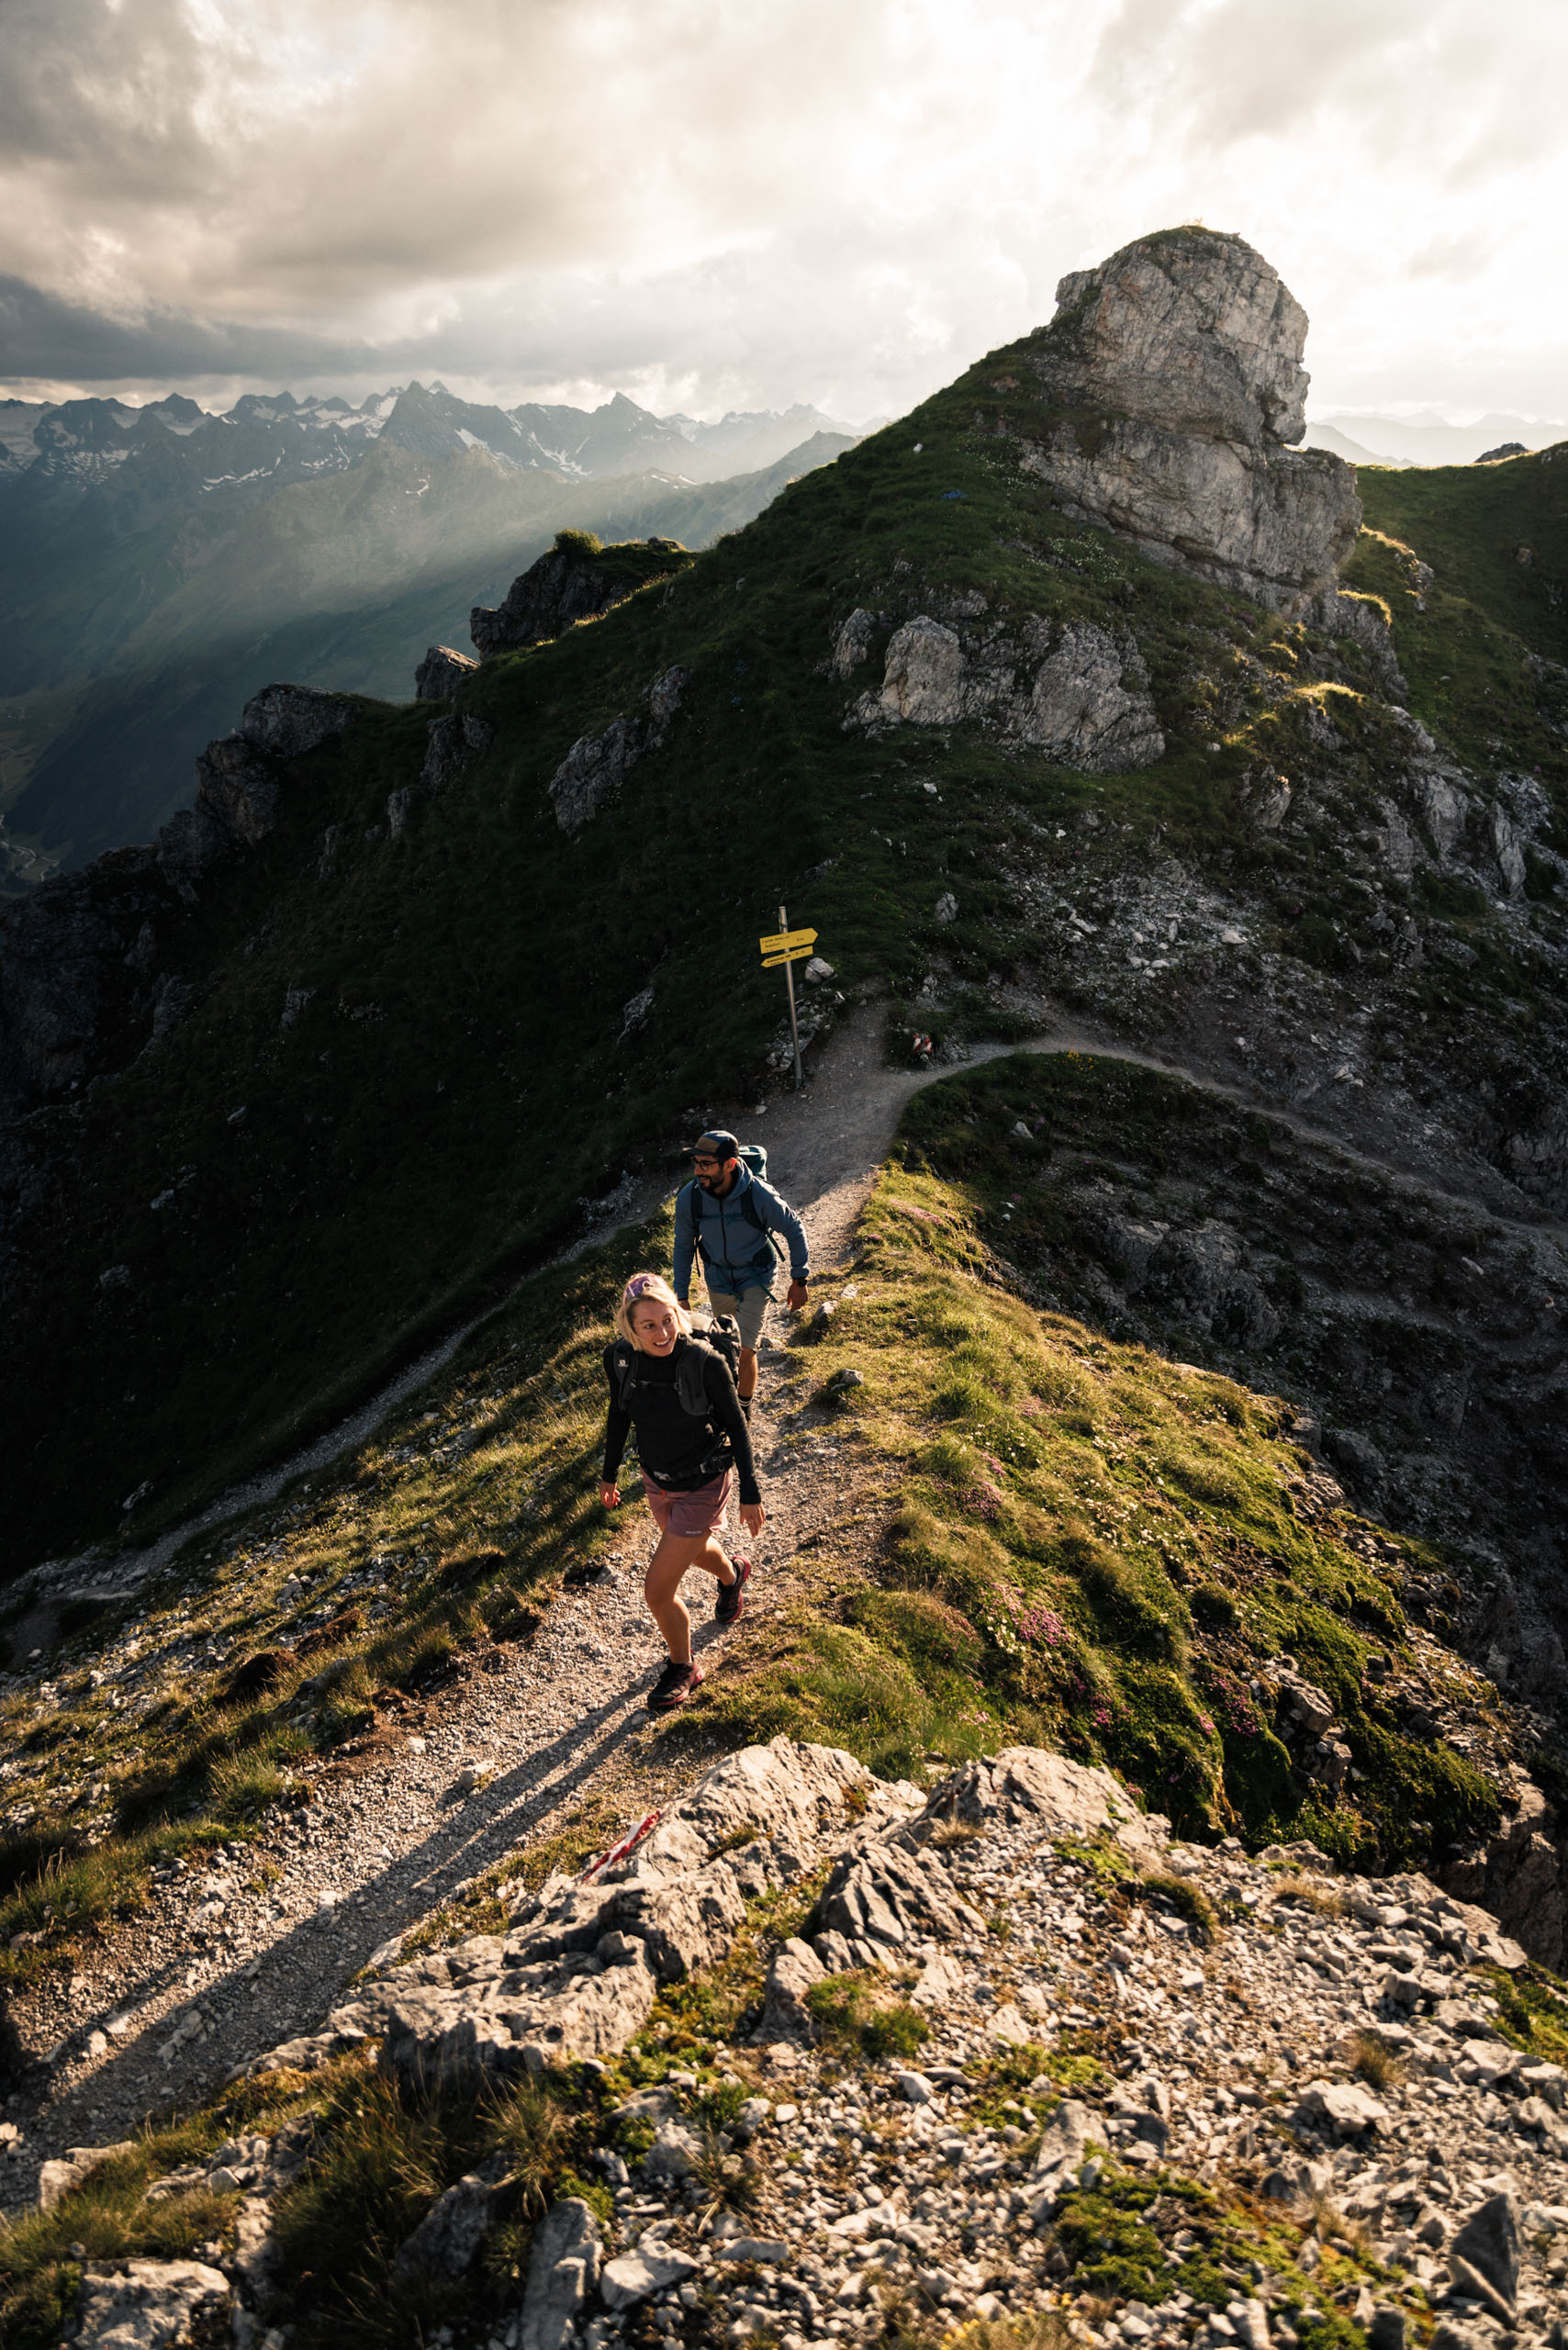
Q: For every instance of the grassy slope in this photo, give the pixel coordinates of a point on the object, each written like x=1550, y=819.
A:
x=1092, y=1548
x=1473, y=524
x=402, y=1145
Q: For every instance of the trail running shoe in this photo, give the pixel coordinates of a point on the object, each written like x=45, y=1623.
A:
x=673, y=1687
x=730, y=1606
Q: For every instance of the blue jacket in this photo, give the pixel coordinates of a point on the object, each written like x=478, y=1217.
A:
x=735, y=1255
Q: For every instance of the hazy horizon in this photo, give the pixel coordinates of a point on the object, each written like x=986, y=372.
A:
x=1405, y=415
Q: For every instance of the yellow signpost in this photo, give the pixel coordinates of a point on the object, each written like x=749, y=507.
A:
x=783, y=941
x=786, y=947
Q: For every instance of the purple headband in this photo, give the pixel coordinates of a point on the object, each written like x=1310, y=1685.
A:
x=638, y=1284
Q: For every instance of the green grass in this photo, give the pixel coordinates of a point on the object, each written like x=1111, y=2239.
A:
x=1117, y=2235
x=1470, y=524
x=855, y=2015
x=1090, y=1547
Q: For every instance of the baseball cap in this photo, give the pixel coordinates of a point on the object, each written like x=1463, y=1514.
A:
x=717, y=1144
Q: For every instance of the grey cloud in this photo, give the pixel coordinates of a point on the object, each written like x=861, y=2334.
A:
x=738, y=201
x=109, y=95
x=811, y=315
x=296, y=157
x=45, y=337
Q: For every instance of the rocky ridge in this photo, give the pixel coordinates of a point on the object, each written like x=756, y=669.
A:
x=575, y=581
x=1021, y=2056
x=87, y=980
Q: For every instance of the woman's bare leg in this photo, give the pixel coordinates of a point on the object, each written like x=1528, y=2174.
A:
x=661, y=1585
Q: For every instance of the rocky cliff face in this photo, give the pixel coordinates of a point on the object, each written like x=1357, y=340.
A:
x=1176, y=365
x=90, y=967
x=576, y=581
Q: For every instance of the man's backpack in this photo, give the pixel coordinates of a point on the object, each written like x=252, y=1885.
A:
x=754, y=1157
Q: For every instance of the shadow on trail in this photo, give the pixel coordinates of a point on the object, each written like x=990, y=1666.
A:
x=316, y=1957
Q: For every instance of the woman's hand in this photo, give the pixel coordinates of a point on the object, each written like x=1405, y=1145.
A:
x=610, y=1496
x=752, y=1517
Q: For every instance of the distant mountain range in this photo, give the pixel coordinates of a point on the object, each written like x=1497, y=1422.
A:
x=156, y=561
x=1424, y=440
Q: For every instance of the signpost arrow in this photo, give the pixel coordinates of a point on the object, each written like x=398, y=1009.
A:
x=795, y=955
x=786, y=938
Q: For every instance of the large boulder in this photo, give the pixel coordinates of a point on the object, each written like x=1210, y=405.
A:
x=1175, y=369
x=238, y=779
x=288, y=721
x=1483, y=2258
x=450, y=2234
x=564, y=2261
x=1054, y=1794
x=1517, y=1874
x=148, y=2304
x=580, y=1970
x=1076, y=693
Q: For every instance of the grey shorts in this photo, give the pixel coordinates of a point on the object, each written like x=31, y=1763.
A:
x=749, y=1309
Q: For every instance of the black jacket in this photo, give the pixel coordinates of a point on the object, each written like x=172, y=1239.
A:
x=671, y=1444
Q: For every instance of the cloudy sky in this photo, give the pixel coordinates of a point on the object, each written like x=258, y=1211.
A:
x=739, y=202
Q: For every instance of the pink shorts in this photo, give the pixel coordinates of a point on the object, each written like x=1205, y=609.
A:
x=691, y=1516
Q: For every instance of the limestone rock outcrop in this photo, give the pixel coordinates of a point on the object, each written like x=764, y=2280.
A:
x=573, y=582
x=1077, y=693
x=288, y=721
x=1175, y=371
x=565, y=2257
x=578, y=1972
x=145, y=2304
x=236, y=781
x=441, y=672
x=1517, y=1874
x=598, y=764
x=454, y=743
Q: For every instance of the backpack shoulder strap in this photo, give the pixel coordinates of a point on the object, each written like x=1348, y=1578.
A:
x=688, y=1377
x=687, y=1197
x=625, y=1373
x=753, y=1216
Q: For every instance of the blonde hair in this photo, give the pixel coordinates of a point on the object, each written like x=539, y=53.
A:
x=648, y=1289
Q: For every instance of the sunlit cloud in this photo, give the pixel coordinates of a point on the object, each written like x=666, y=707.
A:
x=746, y=204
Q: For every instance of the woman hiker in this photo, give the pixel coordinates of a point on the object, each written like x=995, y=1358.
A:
x=692, y=1442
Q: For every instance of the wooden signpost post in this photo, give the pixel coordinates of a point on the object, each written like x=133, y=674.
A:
x=788, y=947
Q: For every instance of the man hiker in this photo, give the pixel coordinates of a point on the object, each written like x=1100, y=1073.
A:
x=727, y=1216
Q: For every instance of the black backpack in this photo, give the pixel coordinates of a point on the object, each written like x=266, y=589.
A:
x=752, y=1155
x=718, y=1334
